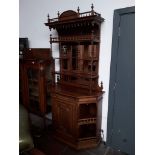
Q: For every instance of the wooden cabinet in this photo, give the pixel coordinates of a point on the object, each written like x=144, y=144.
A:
x=77, y=119
x=35, y=70
x=76, y=95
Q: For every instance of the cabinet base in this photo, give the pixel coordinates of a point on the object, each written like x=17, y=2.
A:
x=82, y=144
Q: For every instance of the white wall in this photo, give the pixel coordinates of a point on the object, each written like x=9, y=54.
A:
x=33, y=15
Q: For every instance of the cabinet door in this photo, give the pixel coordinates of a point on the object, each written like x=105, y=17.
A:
x=63, y=117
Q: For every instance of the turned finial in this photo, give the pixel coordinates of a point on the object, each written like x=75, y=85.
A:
x=48, y=18
x=58, y=14
x=50, y=38
x=101, y=85
x=92, y=9
x=78, y=9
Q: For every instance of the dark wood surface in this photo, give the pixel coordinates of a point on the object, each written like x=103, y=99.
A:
x=35, y=74
x=76, y=94
x=37, y=54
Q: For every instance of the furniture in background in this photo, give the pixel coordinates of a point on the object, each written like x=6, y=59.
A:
x=26, y=144
x=35, y=72
x=23, y=44
x=76, y=95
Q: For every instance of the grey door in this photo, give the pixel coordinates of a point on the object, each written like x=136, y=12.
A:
x=121, y=113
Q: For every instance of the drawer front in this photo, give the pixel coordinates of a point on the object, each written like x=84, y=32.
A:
x=64, y=98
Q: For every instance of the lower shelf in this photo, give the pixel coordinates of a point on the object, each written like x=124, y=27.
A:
x=83, y=143
x=87, y=131
x=87, y=137
x=89, y=143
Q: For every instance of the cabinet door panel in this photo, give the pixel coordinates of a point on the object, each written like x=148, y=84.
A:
x=63, y=116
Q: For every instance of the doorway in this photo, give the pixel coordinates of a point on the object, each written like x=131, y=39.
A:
x=121, y=110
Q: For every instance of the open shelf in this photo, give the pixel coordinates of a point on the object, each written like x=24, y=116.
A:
x=87, y=110
x=87, y=130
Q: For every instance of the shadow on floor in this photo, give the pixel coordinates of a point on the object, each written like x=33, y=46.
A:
x=45, y=142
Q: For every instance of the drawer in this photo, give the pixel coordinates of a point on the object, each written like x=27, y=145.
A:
x=63, y=98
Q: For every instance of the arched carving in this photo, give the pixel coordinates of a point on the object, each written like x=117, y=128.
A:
x=70, y=14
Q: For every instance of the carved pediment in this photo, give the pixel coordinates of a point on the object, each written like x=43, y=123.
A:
x=70, y=14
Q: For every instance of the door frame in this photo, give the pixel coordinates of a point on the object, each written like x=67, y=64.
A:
x=114, y=53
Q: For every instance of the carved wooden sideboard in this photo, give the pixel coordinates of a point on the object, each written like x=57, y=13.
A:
x=76, y=95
